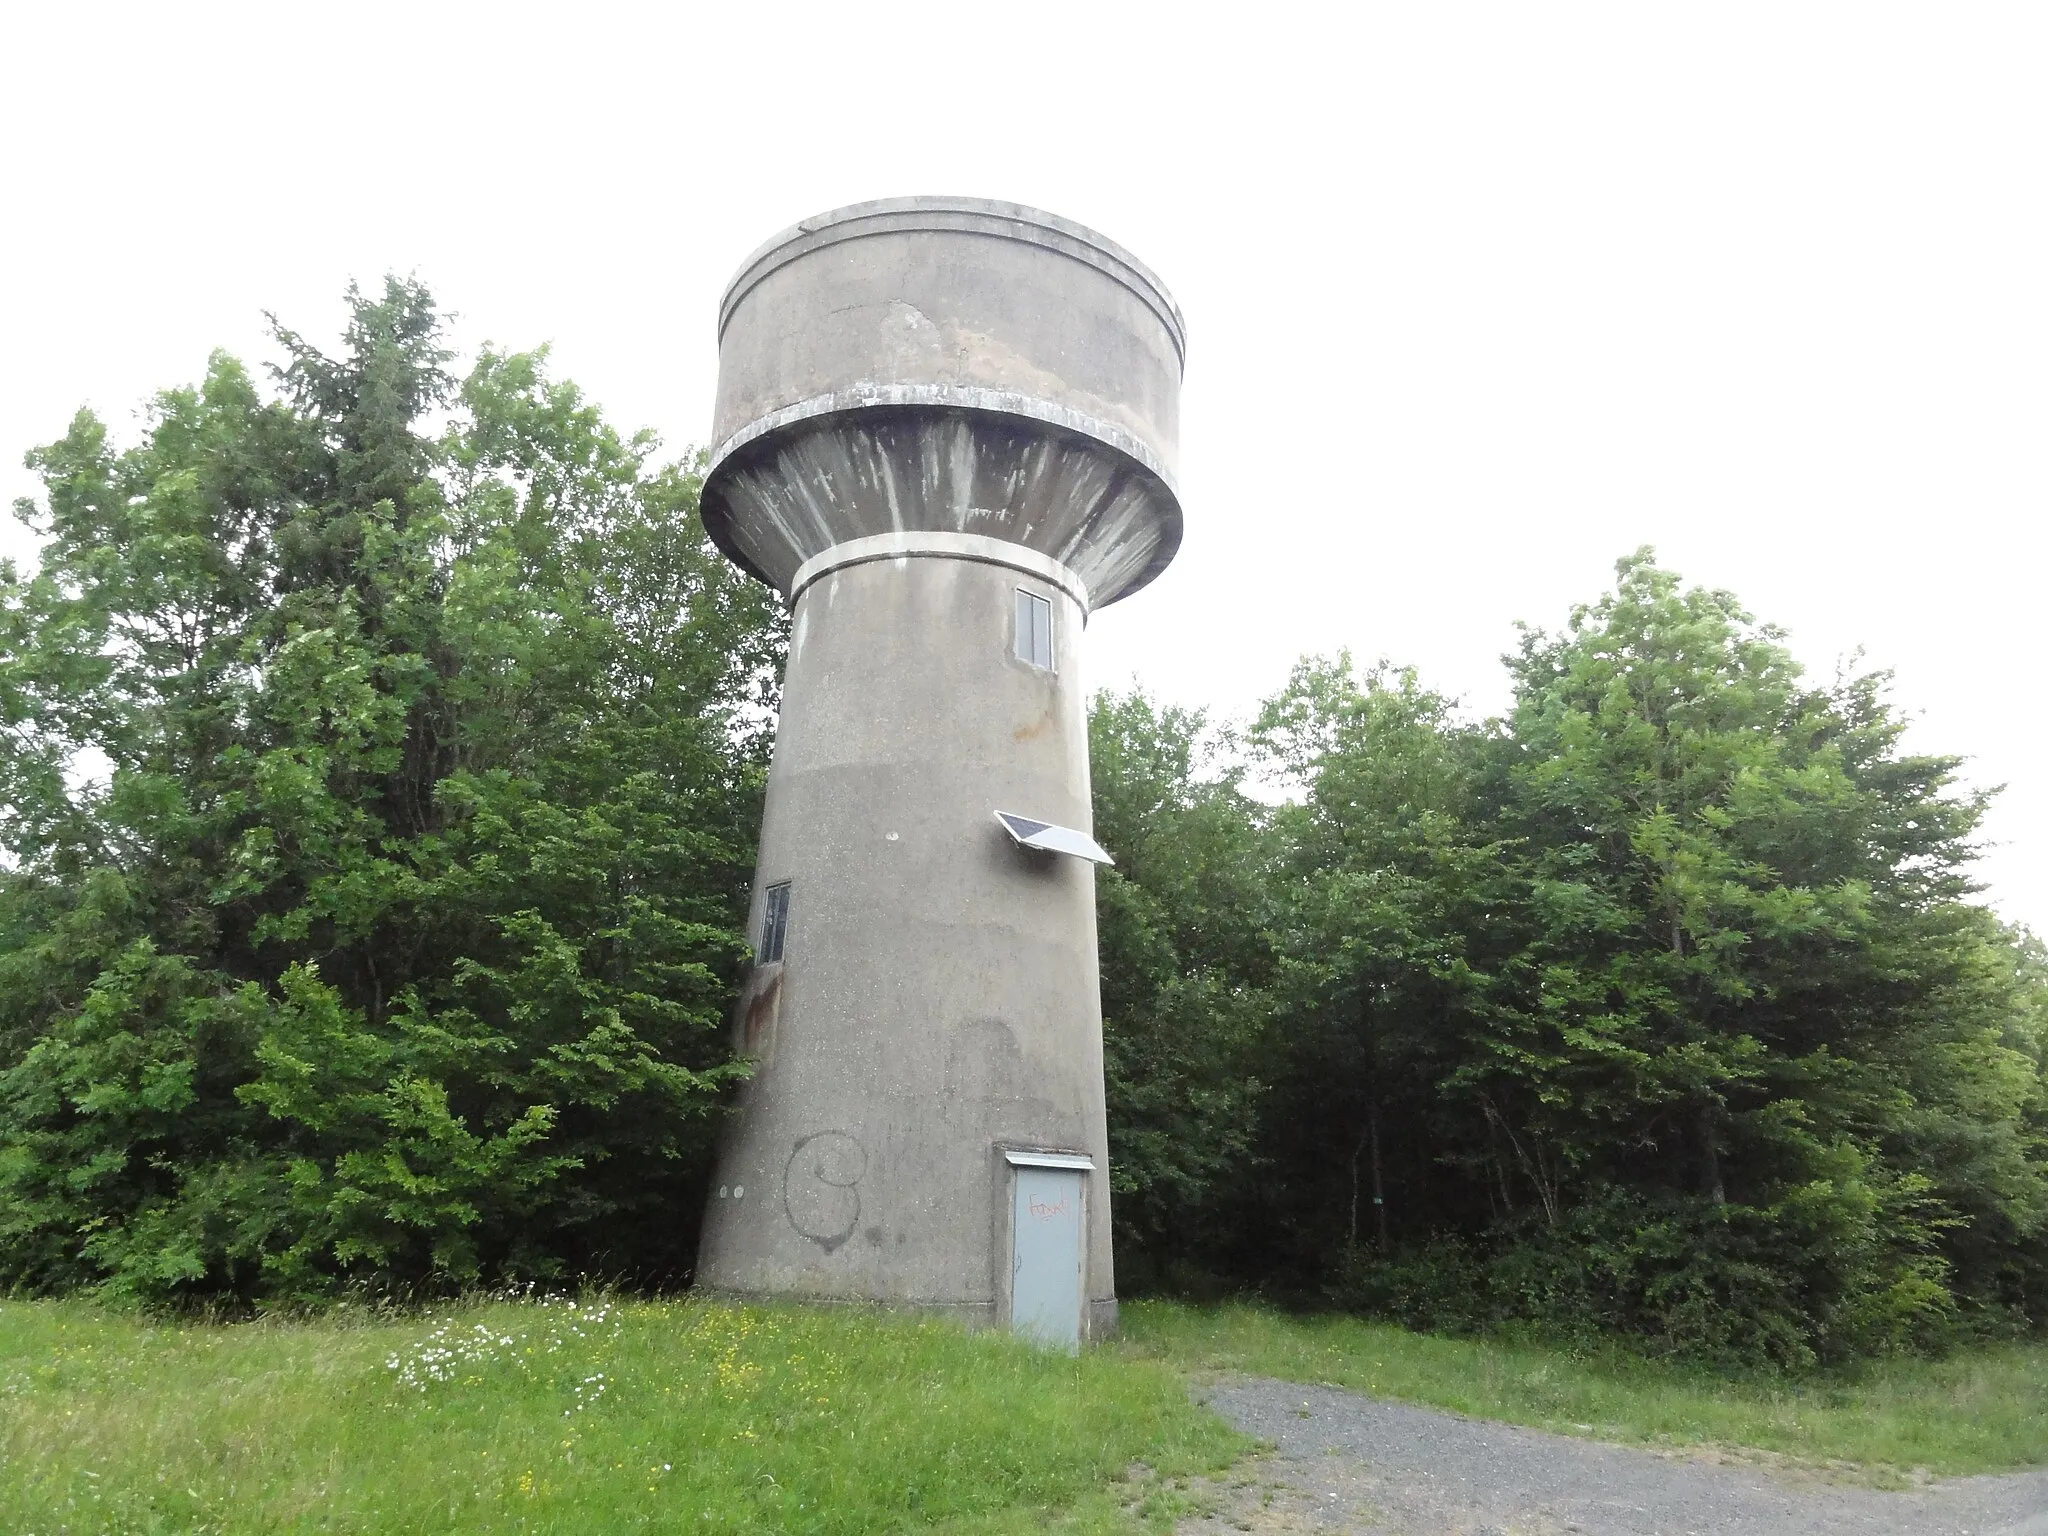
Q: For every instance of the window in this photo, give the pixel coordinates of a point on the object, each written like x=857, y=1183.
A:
x=1034, y=629
x=774, y=924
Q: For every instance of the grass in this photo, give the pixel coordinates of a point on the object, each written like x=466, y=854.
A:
x=595, y=1418
x=1983, y=1410
x=684, y=1415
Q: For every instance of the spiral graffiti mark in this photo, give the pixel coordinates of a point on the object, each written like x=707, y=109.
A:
x=818, y=1187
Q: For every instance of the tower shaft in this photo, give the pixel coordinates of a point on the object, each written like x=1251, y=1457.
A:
x=934, y=1009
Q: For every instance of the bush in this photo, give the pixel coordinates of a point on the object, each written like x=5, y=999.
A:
x=1831, y=1272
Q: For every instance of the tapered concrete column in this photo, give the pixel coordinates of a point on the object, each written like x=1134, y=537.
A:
x=948, y=431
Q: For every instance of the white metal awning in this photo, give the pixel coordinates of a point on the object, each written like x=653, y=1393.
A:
x=1018, y=1157
x=1043, y=836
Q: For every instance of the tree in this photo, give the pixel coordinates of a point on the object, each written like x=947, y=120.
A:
x=1750, y=985
x=1185, y=967
x=380, y=809
x=1661, y=1006
x=1385, y=904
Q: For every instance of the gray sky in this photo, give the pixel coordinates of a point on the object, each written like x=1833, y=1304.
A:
x=1479, y=297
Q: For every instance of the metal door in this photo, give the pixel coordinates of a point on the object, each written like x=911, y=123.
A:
x=1045, y=1256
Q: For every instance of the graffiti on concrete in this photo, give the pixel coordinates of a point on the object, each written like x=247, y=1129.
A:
x=820, y=1193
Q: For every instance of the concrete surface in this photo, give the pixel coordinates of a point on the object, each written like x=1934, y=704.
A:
x=937, y=998
x=947, y=365
x=924, y=405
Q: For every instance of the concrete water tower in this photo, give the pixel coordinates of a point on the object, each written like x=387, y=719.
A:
x=946, y=432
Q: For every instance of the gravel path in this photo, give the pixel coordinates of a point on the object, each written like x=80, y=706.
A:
x=1351, y=1463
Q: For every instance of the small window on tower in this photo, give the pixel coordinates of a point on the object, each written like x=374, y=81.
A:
x=1034, y=629
x=774, y=923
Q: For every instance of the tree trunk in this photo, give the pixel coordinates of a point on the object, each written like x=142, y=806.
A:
x=1358, y=1148
x=1379, y=1194
x=1497, y=1163
x=1710, y=1157
x=1370, y=1136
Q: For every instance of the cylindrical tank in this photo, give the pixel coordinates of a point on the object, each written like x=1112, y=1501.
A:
x=946, y=430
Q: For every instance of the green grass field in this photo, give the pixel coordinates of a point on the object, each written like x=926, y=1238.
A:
x=657, y=1416
x=1978, y=1411
x=695, y=1416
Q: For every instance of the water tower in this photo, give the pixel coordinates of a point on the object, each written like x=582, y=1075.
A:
x=946, y=433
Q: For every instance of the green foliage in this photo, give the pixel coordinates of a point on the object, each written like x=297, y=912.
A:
x=380, y=763
x=1387, y=929
x=1750, y=981
x=1659, y=1007
x=380, y=803
x=1185, y=968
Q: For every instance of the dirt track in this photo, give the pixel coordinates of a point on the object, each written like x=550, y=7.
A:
x=1349, y=1463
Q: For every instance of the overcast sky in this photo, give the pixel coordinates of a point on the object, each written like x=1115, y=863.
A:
x=1479, y=298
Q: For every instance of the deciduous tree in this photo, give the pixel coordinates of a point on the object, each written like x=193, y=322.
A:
x=380, y=778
